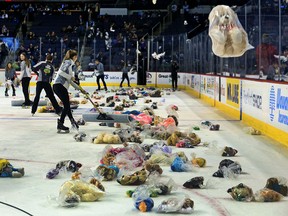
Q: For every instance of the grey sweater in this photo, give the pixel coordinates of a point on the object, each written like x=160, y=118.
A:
x=65, y=73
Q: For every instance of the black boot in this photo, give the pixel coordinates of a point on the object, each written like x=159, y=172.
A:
x=61, y=127
x=74, y=124
x=13, y=93
x=6, y=92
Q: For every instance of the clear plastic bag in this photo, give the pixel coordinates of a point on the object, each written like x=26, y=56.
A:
x=176, y=205
x=241, y=192
x=252, y=131
x=71, y=192
x=162, y=186
x=178, y=165
x=229, y=39
x=278, y=184
x=267, y=195
x=228, y=169
x=172, y=110
x=198, y=161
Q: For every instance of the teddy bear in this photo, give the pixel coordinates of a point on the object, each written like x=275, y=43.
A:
x=177, y=136
x=107, y=173
x=229, y=39
x=106, y=138
x=74, y=191
x=137, y=178
x=7, y=170
x=150, y=167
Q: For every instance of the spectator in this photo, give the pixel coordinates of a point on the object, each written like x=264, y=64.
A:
x=174, y=10
x=31, y=36
x=4, y=31
x=24, y=29
x=272, y=70
x=53, y=37
x=30, y=12
x=265, y=53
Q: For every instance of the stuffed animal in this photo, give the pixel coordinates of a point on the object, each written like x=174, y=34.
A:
x=229, y=152
x=7, y=170
x=278, y=184
x=65, y=165
x=137, y=178
x=153, y=168
x=241, y=192
x=106, y=138
x=72, y=190
x=106, y=172
x=229, y=39
x=194, y=183
x=177, y=136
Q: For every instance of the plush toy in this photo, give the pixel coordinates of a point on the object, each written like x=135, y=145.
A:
x=68, y=165
x=72, y=190
x=106, y=138
x=198, y=161
x=153, y=168
x=278, y=184
x=176, y=205
x=137, y=178
x=214, y=127
x=228, y=168
x=97, y=183
x=177, y=136
x=229, y=39
x=241, y=192
x=80, y=137
x=106, y=172
x=229, y=152
x=267, y=195
x=194, y=183
x=7, y=170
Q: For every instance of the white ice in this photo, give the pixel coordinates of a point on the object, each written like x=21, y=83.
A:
x=32, y=143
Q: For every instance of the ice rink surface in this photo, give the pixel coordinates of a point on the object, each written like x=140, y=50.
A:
x=32, y=143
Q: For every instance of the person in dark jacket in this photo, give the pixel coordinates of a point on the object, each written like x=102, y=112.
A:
x=174, y=75
x=10, y=75
x=125, y=75
x=45, y=71
x=99, y=73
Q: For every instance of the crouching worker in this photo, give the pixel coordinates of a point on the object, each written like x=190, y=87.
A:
x=65, y=77
x=45, y=71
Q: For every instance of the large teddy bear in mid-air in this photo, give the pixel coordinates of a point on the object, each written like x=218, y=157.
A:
x=229, y=39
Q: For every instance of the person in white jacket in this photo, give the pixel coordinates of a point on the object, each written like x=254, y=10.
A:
x=63, y=79
x=25, y=77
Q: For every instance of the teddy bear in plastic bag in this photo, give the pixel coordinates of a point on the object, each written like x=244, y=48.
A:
x=229, y=39
x=74, y=191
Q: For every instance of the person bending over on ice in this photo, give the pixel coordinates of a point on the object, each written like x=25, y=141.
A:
x=125, y=75
x=25, y=77
x=45, y=71
x=65, y=77
x=10, y=75
x=99, y=72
